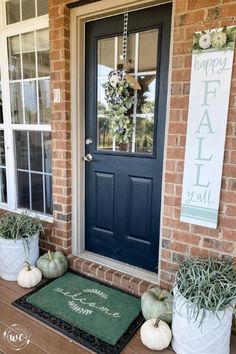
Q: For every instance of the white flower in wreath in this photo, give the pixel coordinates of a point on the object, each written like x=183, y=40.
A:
x=114, y=79
x=205, y=41
x=218, y=40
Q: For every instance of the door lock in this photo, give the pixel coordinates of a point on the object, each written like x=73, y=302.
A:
x=88, y=141
x=88, y=158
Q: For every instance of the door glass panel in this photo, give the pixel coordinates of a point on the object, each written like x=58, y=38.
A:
x=106, y=56
x=147, y=44
x=138, y=120
x=131, y=45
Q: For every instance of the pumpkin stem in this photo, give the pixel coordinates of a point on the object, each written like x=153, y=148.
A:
x=49, y=255
x=28, y=265
x=161, y=317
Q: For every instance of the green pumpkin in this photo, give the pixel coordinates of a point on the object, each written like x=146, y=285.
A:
x=52, y=264
x=155, y=302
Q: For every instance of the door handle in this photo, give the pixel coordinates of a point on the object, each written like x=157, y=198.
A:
x=88, y=158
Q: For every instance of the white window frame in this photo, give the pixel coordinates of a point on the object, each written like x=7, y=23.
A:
x=34, y=24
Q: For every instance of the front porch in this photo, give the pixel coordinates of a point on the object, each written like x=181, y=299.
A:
x=43, y=338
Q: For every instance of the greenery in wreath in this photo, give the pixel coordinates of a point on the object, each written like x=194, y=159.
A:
x=221, y=39
x=119, y=95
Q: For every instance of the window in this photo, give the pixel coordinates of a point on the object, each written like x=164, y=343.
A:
x=27, y=114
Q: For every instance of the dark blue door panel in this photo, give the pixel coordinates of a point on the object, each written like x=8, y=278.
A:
x=123, y=190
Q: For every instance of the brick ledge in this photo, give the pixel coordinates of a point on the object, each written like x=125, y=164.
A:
x=111, y=276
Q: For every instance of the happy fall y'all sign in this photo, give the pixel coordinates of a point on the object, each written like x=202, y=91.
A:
x=207, y=119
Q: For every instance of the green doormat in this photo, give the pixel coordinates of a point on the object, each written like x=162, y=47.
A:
x=92, y=313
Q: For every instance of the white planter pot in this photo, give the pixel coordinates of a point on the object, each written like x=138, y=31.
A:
x=189, y=337
x=13, y=254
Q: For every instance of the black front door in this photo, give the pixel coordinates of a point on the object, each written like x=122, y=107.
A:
x=123, y=180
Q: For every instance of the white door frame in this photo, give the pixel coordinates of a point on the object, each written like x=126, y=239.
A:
x=79, y=16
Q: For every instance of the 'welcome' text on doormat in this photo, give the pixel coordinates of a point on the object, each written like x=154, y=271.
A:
x=93, y=311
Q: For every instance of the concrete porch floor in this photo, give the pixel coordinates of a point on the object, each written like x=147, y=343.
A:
x=45, y=340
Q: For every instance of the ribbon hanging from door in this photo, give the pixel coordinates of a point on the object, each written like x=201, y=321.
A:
x=125, y=36
x=120, y=96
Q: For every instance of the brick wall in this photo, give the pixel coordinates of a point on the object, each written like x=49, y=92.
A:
x=177, y=238
x=59, y=23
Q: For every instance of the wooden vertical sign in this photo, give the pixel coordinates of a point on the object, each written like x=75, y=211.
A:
x=207, y=119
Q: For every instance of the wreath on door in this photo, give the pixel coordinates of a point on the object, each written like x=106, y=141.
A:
x=119, y=95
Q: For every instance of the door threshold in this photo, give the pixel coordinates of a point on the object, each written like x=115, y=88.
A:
x=131, y=270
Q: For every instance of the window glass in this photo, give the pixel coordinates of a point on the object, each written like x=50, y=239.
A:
x=43, y=52
x=37, y=192
x=44, y=101
x=2, y=149
x=30, y=100
x=1, y=108
x=13, y=11
x=21, y=150
x=47, y=144
x=3, y=185
x=42, y=7
x=35, y=151
x=34, y=177
x=21, y=10
x=29, y=90
x=3, y=182
x=14, y=58
x=28, y=55
x=16, y=102
x=147, y=44
x=29, y=86
x=23, y=190
x=48, y=193
x=28, y=9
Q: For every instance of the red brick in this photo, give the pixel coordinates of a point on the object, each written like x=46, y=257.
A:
x=204, y=253
x=198, y=4
x=186, y=237
x=180, y=6
x=228, y=10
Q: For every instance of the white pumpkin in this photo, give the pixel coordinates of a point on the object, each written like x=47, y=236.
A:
x=155, y=335
x=29, y=276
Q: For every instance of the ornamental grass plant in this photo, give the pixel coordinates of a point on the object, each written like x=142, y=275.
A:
x=19, y=226
x=207, y=285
